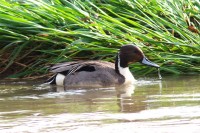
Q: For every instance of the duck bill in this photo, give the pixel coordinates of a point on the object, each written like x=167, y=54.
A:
x=147, y=62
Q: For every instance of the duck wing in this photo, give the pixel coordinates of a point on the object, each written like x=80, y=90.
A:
x=69, y=68
x=65, y=68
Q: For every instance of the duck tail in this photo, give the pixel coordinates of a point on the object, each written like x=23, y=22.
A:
x=51, y=80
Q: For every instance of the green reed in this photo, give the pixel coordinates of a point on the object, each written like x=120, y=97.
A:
x=36, y=33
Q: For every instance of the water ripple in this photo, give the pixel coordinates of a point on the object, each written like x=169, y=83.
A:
x=173, y=120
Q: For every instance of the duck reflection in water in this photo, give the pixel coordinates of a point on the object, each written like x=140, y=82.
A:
x=128, y=101
x=124, y=95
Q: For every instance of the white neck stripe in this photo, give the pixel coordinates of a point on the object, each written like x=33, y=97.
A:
x=125, y=72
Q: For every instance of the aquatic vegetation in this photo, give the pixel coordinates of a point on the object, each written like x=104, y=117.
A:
x=36, y=33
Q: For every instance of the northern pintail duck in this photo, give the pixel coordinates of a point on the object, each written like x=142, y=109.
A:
x=99, y=73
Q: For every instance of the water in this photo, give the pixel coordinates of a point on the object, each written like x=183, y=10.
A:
x=169, y=105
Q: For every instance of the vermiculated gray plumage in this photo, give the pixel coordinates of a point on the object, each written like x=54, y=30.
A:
x=88, y=73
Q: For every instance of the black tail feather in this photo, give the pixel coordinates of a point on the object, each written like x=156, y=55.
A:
x=51, y=80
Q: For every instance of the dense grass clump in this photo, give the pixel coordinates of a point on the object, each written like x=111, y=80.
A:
x=36, y=33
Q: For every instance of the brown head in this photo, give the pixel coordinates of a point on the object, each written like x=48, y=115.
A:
x=130, y=54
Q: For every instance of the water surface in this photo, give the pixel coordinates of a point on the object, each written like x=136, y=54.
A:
x=171, y=105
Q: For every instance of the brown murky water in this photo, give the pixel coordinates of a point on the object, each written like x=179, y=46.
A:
x=171, y=105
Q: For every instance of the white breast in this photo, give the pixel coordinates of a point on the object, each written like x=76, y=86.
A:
x=127, y=74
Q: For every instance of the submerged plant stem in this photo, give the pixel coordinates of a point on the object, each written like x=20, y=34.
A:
x=159, y=75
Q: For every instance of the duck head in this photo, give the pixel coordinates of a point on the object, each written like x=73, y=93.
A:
x=130, y=54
